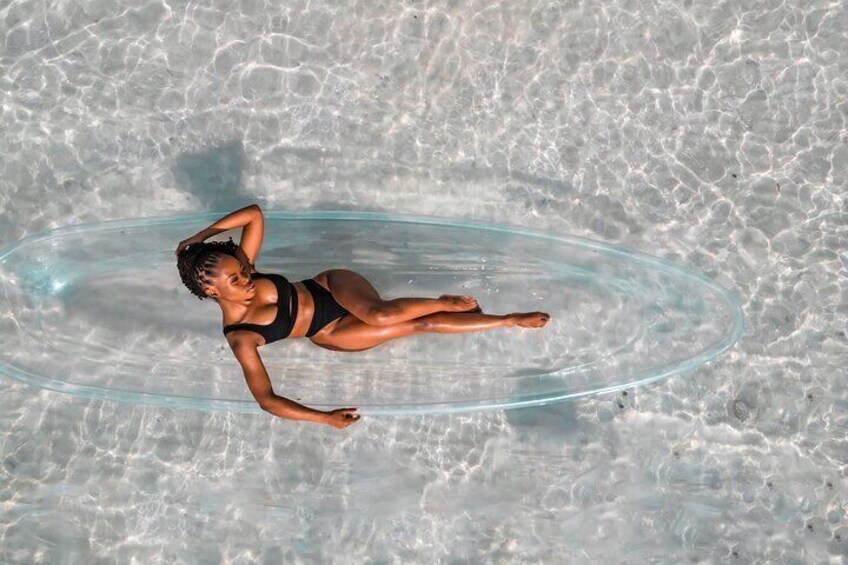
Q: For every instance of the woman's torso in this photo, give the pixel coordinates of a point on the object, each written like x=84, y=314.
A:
x=263, y=310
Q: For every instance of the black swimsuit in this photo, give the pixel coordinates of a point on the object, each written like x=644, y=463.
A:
x=326, y=310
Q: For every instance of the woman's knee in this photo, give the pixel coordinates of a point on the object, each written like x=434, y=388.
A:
x=383, y=314
x=423, y=324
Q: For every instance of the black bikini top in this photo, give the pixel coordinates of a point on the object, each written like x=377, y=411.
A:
x=283, y=323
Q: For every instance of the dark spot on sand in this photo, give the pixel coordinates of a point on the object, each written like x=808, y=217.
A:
x=810, y=527
x=734, y=175
x=810, y=396
x=829, y=484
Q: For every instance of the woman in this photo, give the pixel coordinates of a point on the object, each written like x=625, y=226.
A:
x=337, y=309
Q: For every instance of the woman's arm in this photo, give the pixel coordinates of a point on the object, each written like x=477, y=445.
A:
x=254, y=226
x=291, y=410
x=237, y=219
x=260, y=386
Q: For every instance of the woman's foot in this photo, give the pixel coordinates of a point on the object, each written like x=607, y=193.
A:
x=529, y=319
x=454, y=303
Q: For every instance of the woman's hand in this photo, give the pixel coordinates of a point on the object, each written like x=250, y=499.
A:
x=341, y=418
x=196, y=238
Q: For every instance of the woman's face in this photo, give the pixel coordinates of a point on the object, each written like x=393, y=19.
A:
x=232, y=280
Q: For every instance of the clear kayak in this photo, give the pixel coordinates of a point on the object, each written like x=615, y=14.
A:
x=99, y=311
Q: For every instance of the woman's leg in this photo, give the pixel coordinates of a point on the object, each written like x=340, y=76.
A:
x=352, y=334
x=462, y=322
x=358, y=296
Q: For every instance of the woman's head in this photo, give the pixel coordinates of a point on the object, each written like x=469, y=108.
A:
x=212, y=270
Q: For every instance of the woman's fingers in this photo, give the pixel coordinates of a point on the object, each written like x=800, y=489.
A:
x=350, y=416
x=186, y=242
x=343, y=417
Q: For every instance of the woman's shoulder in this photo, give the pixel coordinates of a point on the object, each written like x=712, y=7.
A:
x=272, y=276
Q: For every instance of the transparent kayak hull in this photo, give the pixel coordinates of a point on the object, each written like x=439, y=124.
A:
x=99, y=311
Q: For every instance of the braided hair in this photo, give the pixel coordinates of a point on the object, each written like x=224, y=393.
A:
x=197, y=263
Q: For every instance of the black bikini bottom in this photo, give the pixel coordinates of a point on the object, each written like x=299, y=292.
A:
x=326, y=307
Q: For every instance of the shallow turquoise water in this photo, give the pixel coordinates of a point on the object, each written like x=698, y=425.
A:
x=708, y=134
